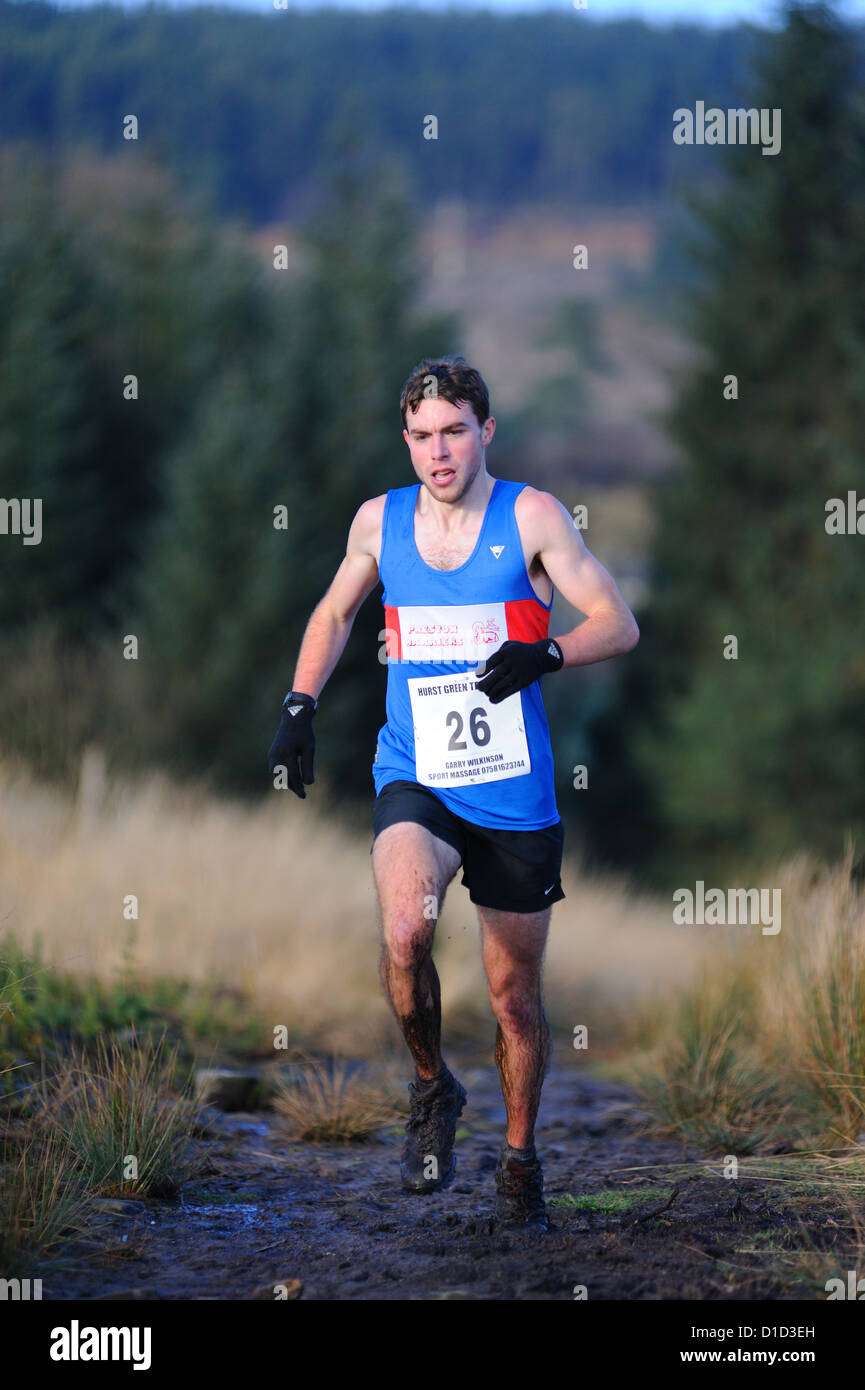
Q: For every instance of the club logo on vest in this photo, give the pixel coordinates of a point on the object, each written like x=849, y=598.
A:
x=485, y=632
x=497, y=550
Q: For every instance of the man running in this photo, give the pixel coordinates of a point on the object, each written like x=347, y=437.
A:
x=463, y=770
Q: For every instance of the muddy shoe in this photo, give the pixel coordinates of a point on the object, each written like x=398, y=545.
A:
x=427, y=1158
x=520, y=1192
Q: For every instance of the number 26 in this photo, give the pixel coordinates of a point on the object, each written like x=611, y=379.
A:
x=478, y=728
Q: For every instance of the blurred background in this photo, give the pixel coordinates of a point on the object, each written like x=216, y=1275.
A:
x=207, y=326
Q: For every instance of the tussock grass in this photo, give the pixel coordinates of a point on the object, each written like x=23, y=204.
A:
x=41, y=1201
x=117, y=1106
x=40, y=1197
x=98, y=1110
x=98, y=1106
x=707, y=1080
x=815, y=1017
x=766, y=1046
x=329, y=1103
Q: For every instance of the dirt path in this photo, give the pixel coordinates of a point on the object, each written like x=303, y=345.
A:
x=263, y=1212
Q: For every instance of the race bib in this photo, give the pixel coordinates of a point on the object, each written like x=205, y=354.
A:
x=460, y=738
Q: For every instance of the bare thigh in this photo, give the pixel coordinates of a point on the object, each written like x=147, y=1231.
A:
x=412, y=869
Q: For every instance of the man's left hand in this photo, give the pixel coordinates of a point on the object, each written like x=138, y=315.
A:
x=516, y=665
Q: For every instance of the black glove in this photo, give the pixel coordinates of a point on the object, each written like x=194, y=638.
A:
x=294, y=739
x=516, y=665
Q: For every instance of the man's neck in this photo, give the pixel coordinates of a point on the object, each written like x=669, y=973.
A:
x=454, y=515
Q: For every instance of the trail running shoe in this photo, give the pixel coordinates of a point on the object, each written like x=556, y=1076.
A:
x=427, y=1160
x=520, y=1193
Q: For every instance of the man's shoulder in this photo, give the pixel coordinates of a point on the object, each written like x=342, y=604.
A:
x=537, y=509
x=365, y=532
x=373, y=507
x=534, y=501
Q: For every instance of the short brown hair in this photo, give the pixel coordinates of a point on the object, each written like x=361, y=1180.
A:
x=457, y=382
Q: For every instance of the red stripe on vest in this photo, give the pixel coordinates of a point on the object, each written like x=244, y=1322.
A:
x=527, y=619
x=392, y=634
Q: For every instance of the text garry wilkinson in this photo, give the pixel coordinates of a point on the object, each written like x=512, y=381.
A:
x=77, y=1343
x=737, y=126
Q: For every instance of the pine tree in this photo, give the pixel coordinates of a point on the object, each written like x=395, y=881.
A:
x=93, y=296
x=311, y=424
x=737, y=761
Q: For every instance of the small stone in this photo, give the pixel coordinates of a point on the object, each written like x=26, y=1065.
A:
x=117, y=1206
x=228, y=1090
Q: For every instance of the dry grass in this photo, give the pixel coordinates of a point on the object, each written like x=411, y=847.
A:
x=709, y=1086
x=739, y=1039
x=280, y=902
x=768, y=1045
x=331, y=1104
x=815, y=1011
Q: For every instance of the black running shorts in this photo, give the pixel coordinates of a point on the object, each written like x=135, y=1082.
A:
x=512, y=870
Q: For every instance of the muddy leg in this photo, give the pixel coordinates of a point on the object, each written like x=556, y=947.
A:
x=412, y=868
x=513, y=949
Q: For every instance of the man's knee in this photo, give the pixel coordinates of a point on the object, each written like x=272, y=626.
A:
x=406, y=942
x=517, y=1004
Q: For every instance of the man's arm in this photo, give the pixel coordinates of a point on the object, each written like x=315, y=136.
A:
x=293, y=749
x=610, y=627
x=331, y=621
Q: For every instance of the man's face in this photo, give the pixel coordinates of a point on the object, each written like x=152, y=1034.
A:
x=447, y=446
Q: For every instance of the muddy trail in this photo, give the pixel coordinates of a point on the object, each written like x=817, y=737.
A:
x=268, y=1218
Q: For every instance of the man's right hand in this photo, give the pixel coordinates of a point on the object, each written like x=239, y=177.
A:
x=294, y=741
